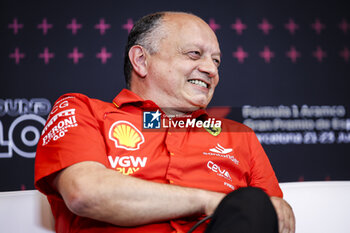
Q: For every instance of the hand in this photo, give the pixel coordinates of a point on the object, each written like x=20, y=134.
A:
x=285, y=215
x=212, y=201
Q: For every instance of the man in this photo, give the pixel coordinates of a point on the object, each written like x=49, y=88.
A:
x=102, y=172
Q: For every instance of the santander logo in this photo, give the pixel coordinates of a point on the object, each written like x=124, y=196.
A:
x=220, y=149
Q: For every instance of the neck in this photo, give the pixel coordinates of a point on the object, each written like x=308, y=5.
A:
x=145, y=91
x=168, y=110
x=177, y=112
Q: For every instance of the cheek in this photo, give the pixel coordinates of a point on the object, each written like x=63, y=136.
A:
x=216, y=81
x=185, y=67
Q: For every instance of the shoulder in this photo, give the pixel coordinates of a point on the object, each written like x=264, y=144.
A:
x=81, y=106
x=234, y=126
x=76, y=97
x=79, y=100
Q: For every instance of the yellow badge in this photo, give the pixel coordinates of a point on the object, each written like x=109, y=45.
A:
x=126, y=135
x=215, y=131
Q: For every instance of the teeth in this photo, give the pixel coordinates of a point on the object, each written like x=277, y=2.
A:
x=199, y=83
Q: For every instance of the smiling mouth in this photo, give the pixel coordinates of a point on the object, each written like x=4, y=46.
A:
x=199, y=83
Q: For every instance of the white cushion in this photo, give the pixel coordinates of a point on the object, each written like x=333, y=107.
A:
x=25, y=212
x=320, y=207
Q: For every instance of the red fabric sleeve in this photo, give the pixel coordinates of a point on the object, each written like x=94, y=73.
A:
x=71, y=135
x=262, y=174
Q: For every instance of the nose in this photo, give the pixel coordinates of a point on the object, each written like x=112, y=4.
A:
x=208, y=67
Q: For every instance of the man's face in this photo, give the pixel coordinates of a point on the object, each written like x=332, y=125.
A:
x=184, y=71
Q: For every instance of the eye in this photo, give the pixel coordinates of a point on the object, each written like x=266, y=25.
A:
x=194, y=54
x=217, y=62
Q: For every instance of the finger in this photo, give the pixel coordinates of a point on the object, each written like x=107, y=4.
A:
x=279, y=212
x=292, y=222
x=286, y=218
x=290, y=218
x=281, y=225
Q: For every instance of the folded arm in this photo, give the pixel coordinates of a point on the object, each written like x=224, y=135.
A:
x=91, y=190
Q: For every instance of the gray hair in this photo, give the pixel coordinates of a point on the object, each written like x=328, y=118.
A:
x=147, y=32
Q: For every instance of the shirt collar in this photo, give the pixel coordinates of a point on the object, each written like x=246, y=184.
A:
x=126, y=97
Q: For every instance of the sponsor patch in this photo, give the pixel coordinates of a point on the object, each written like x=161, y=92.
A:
x=127, y=165
x=229, y=185
x=220, y=151
x=214, y=130
x=61, y=122
x=125, y=135
x=218, y=170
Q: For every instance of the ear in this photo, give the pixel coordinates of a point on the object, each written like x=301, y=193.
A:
x=137, y=56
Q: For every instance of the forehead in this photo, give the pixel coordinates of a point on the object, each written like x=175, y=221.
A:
x=184, y=30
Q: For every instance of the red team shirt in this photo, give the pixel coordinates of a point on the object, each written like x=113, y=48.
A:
x=82, y=129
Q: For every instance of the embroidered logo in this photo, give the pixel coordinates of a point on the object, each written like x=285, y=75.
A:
x=220, y=149
x=61, y=123
x=125, y=135
x=215, y=131
x=218, y=170
x=127, y=165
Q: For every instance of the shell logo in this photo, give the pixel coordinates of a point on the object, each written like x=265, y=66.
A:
x=125, y=135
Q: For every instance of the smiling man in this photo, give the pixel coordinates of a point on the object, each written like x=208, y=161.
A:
x=103, y=172
x=183, y=73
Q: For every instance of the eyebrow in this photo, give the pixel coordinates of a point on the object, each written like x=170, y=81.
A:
x=219, y=53
x=185, y=47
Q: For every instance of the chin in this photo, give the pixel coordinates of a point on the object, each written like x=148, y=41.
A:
x=202, y=102
x=199, y=105
x=198, y=101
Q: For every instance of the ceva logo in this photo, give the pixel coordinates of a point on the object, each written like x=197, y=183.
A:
x=219, y=171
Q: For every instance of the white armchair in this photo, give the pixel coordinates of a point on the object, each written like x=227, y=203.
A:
x=24, y=212
x=319, y=207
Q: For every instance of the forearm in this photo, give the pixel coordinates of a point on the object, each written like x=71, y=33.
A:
x=109, y=196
